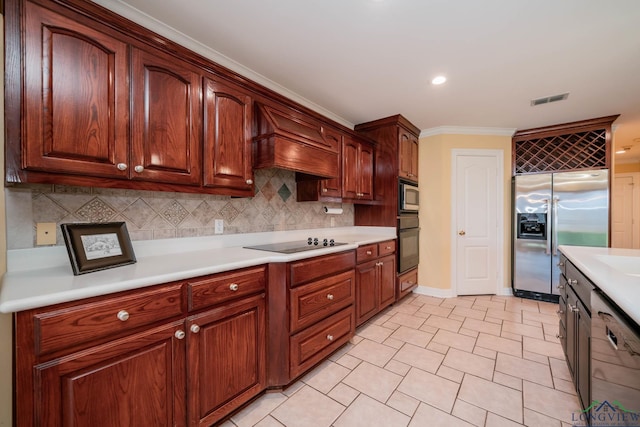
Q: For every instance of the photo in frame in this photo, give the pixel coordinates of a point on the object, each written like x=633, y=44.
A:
x=97, y=246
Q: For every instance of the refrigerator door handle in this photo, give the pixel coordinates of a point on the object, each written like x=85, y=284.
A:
x=555, y=225
x=547, y=249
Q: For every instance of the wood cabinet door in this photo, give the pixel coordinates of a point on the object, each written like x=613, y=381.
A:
x=572, y=330
x=583, y=355
x=228, y=117
x=387, y=278
x=365, y=172
x=134, y=381
x=367, y=293
x=167, y=119
x=76, y=97
x=350, y=160
x=332, y=187
x=226, y=359
x=408, y=162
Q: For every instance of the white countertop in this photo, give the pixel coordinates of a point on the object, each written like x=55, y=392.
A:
x=616, y=272
x=42, y=276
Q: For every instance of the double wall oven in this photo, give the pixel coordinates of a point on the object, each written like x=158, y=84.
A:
x=408, y=227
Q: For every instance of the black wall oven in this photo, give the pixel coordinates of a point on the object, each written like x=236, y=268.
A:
x=408, y=242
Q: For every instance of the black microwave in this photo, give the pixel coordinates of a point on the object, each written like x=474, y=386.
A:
x=409, y=198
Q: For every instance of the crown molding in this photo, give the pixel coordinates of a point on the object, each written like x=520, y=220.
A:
x=467, y=130
x=176, y=36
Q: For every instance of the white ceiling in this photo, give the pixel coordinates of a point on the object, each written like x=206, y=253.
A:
x=360, y=60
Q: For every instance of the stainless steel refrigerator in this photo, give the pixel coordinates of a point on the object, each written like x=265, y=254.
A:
x=567, y=208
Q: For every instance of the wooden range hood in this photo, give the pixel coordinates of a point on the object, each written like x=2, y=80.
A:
x=294, y=142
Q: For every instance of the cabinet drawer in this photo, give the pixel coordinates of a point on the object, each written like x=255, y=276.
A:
x=314, y=268
x=211, y=290
x=580, y=284
x=367, y=253
x=386, y=248
x=74, y=325
x=315, y=343
x=316, y=300
x=407, y=282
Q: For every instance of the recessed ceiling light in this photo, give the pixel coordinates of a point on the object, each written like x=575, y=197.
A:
x=439, y=80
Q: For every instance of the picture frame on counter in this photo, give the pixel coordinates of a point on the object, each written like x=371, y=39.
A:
x=97, y=246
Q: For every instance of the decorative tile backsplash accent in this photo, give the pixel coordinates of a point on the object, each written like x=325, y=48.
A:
x=159, y=215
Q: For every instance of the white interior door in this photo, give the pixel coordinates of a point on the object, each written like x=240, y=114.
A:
x=622, y=205
x=475, y=197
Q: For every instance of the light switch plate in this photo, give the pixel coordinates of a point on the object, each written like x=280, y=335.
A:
x=45, y=233
x=219, y=226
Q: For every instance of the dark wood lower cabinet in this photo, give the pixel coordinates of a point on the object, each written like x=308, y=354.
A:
x=226, y=359
x=135, y=381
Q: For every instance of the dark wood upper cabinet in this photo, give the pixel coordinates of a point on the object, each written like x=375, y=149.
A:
x=166, y=126
x=76, y=119
x=357, y=169
x=408, y=156
x=228, y=117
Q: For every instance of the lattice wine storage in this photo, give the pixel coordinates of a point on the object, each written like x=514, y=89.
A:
x=572, y=146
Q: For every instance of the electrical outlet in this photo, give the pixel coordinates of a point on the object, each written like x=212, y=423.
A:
x=45, y=233
x=219, y=226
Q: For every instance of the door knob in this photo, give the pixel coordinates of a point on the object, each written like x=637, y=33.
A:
x=461, y=232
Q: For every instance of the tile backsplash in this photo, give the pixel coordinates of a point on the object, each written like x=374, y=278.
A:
x=158, y=215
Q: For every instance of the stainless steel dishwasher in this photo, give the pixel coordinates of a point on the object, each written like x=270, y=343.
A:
x=615, y=365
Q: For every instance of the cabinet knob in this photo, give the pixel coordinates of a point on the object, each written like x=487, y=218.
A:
x=330, y=337
x=233, y=287
x=560, y=337
x=138, y=168
x=574, y=309
x=195, y=328
x=369, y=252
x=330, y=297
x=560, y=286
x=462, y=233
x=324, y=190
x=561, y=264
x=560, y=312
x=388, y=248
x=572, y=281
x=123, y=315
x=122, y=166
x=249, y=181
x=180, y=334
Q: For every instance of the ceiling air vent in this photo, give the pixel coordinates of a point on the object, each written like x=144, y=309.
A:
x=548, y=99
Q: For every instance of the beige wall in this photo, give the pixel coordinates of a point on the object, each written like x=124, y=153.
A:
x=435, y=198
x=6, y=367
x=627, y=167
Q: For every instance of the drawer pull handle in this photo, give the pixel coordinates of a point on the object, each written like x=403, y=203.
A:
x=330, y=297
x=139, y=168
x=233, y=287
x=195, y=328
x=249, y=181
x=560, y=337
x=572, y=281
x=180, y=334
x=122, y=166
x=369, y=252
x=330, y=337
x=574, y=309
x=560, y=286
x=388, y=248
x=123, y=315
x=324, y=190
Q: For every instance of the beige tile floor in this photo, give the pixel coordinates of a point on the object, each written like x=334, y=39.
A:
x=469, y=361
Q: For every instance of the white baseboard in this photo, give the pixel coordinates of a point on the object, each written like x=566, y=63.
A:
x=505, y=292
x=434, y=292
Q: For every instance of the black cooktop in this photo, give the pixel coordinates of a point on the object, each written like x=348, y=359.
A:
x=297, y=246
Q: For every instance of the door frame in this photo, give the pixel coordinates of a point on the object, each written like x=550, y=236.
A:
x=500, y=224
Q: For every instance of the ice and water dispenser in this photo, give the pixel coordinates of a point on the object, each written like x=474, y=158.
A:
x=532, y=226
